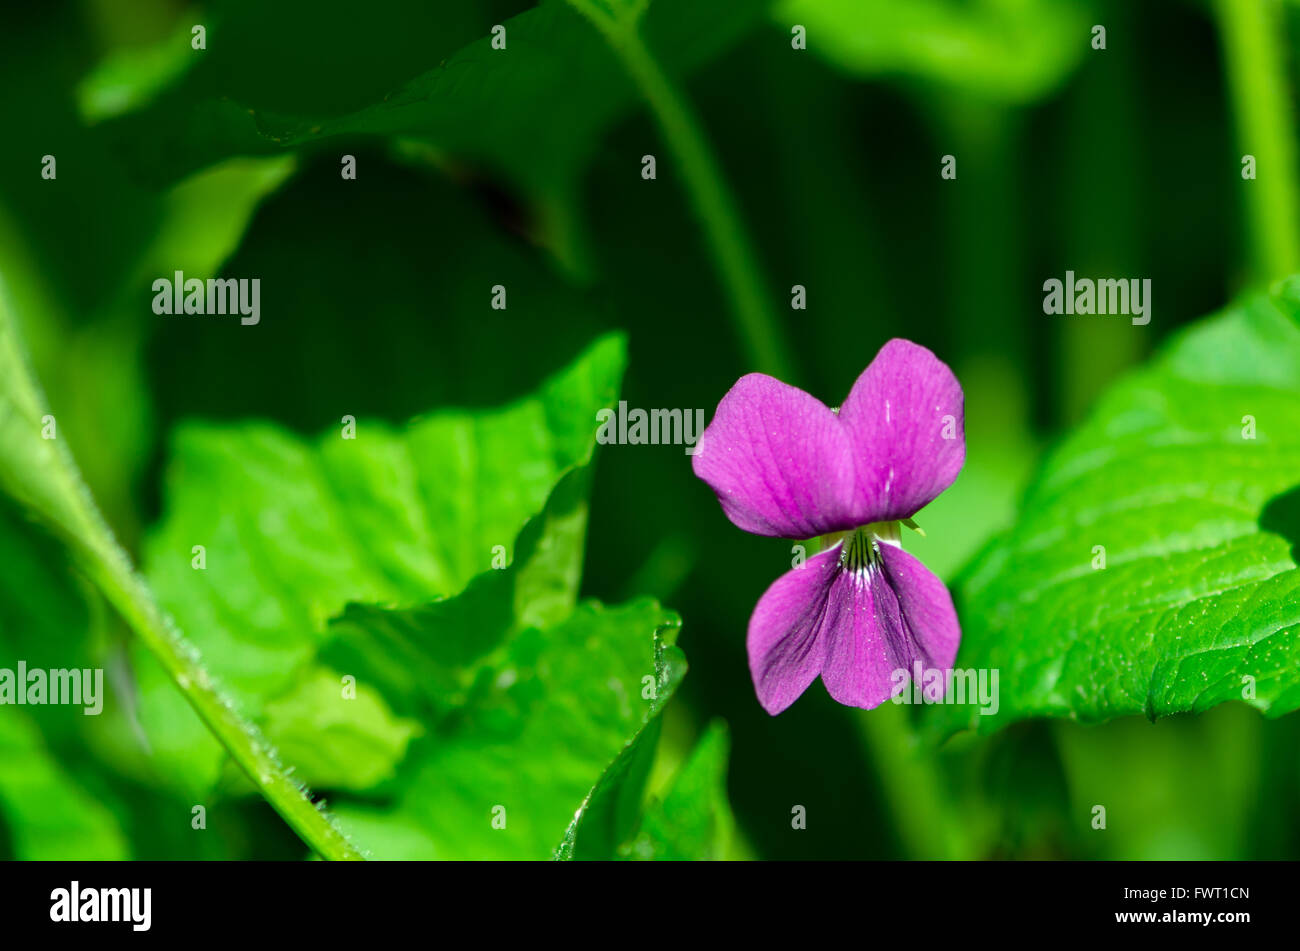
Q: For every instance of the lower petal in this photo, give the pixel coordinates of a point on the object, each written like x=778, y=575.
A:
x=860, y=658
x=881, y=623
x=926, y=608
x=786, y=649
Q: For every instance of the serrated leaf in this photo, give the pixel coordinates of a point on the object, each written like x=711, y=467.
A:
x=294, y=531
x=1185, y=481
x=444, y=662
x=693, y=820
x=537, y=729
x=424, y=658
x=611, y=811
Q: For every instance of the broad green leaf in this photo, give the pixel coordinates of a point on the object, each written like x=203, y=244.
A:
x=395, y=516
x=693, y=820
x=341, y=739
x=49, y=815
x=92, y=360
x=292, y=532
x=1185, y=482
x=426, y=658
x=532, y=111
x=1004, y=50
x=609, y=814
x=448, y=663
x=539, y=726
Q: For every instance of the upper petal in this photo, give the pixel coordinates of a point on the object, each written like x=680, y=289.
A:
x=906, y=420
x=786, y=649
x=778, y=459
x=885, y=620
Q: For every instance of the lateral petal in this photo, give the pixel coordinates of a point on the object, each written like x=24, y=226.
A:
x=906, y=420
x=778, y=459
x=786, y=647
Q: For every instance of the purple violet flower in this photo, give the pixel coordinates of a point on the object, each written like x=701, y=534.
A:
x=784, y=464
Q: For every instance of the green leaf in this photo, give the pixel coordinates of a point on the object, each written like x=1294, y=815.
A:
x=50, y=816
x=425, y=658
x=341, y=741
x=293, y=531
x=1187, y=476
x=1004, y=50
x=506, y=667
x=609, y=814
x=693, y=821
x=533, y=111
x=38, y=471
x=537, y=729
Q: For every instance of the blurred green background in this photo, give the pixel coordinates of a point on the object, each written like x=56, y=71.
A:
x=1117, y=162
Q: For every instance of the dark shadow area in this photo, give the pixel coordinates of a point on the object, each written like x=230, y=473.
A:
x=1281, y=516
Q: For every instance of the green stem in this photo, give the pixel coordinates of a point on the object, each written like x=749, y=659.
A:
x=1252, y=37
x=913, y=787
x=737, y=264
x=43, y=475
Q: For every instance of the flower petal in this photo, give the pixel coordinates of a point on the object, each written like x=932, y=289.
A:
x=906, y=419
x=786, y=649
x=778, y=459
x=860, y=658
x=890, y=618
x=925, y=608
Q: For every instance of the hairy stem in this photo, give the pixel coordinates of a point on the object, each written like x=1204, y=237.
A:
x=1252, y=34
x=737, y=264
x=42, y=474
x=127, y=592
